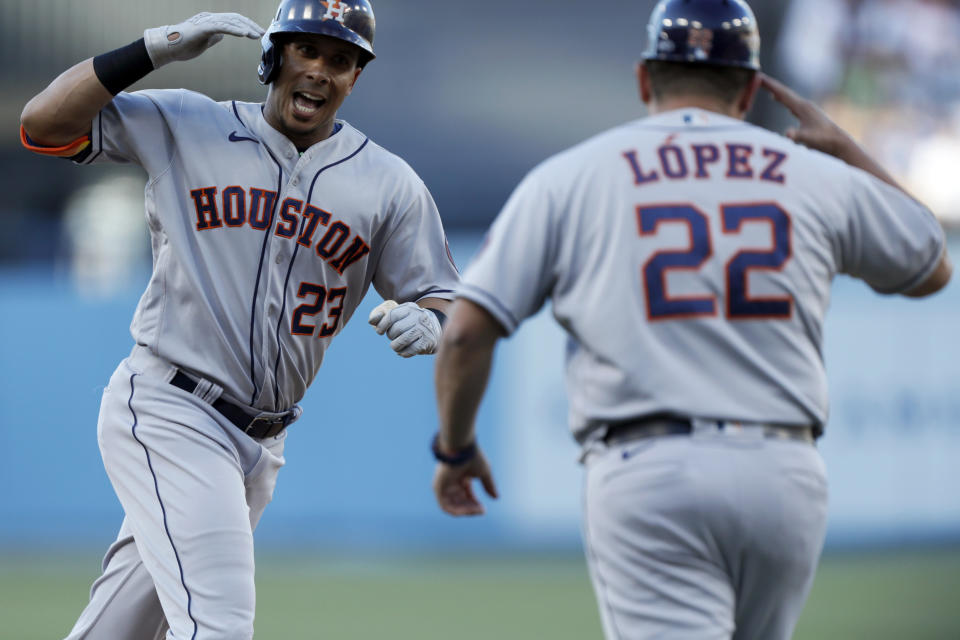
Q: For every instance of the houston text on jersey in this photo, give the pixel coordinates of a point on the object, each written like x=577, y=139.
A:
x=237, y=206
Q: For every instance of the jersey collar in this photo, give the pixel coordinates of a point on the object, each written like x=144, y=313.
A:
x=250, y=114
x=692, y=117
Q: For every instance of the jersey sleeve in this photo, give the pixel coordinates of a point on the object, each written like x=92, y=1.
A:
x=416, y=262
x=888, y=239
x=135, y=128
x=515, y=269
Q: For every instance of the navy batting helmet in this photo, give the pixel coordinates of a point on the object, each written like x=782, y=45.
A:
x=350, y=20
x=716, y=32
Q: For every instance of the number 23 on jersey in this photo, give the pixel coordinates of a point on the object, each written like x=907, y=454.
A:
x=739, y=304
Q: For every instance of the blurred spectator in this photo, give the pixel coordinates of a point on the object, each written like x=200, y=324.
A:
x=885, y=69
x=810, y=46
x=106, y=236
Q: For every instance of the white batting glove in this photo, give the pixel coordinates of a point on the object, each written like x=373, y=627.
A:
x=195, y=35
x=412, y=329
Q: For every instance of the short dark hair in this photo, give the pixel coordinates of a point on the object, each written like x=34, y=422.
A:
x=669, y=79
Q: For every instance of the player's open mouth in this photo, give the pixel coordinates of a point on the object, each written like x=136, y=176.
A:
x=306, y=103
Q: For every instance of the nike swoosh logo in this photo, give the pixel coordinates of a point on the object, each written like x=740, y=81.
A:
x=233, y=137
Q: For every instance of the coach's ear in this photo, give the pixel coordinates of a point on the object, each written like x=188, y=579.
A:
x=643, y=83
x=749, y=94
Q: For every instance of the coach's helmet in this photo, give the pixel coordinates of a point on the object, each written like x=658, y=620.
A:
x=349, y=20
x=715, y=32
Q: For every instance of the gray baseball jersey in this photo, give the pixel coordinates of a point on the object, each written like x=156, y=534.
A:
x=262, y=254
x=689, y=257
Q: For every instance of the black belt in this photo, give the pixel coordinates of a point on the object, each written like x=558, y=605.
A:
x=254, y=426
x=652, y=426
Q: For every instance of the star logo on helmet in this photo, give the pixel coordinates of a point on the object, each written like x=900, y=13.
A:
x=335, y=10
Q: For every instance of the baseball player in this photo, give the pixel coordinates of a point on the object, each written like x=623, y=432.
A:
x=689, y=257
x=269, y=222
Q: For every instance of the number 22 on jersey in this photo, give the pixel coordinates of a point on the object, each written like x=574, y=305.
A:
x=739, y=304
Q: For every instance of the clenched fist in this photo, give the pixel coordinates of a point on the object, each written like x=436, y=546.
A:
x=412, y=329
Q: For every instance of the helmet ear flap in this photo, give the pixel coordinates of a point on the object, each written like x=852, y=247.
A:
x=269, y=62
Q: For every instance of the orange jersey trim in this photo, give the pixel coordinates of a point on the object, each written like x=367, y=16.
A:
x=66, y=151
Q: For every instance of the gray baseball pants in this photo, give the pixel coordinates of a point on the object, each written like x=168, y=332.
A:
x=709, y=536
x=193, y=488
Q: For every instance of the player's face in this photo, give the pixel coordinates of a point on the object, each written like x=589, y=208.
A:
x=316, y=74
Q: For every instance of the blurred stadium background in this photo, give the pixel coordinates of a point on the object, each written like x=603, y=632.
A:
x=472, y=95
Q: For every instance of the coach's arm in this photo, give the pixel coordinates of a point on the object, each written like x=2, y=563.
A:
x=461, y=375
x=816, y=130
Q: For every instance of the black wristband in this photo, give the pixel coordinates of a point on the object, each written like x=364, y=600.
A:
x=441, y=316
x=118, y=69
x=466, y=454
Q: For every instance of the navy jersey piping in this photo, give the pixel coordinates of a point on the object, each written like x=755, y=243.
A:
x=263, y=253
x=233, y=137
x=100, y=138
x=283, y=310
x=237, y=113
x=928, y=269
x=492, y=300
x=256, y=286
x=333, y=164
x=163, y=510
x=293, y=257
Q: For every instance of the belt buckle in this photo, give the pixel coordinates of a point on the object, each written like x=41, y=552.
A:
x=268, y=424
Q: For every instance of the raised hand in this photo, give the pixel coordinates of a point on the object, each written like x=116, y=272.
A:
x=816, y=130
x=195, y=35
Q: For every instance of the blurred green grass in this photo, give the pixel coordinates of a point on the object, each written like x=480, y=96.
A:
x=878, y=596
